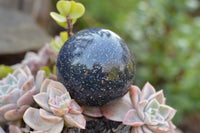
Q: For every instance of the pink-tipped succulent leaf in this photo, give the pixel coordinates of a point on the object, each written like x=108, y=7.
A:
x=149, y=112
x=57, y=108
x=37, y=60
x=16, y=93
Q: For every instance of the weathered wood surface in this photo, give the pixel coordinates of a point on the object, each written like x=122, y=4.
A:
x=38, y=9
x=19, y=32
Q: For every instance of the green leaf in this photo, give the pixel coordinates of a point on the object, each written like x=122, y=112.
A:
x=57, y=17
x=62, y=24
x=46, y=69
x=77, y=10
x=4, y=70
x=74, y=21
x=54, y=45
x=64, y=36
x=63, y=7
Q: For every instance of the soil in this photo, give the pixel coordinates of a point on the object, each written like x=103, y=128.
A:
x=101, y=125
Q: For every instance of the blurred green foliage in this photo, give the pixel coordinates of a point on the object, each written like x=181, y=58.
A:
x=164, y=36
x=4, y=71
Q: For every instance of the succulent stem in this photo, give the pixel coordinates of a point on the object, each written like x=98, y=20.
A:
x=69, y=27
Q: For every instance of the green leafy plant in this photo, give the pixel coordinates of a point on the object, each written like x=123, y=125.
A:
x=69, y=12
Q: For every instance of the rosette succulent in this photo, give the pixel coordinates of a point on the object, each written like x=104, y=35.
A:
x=144, y=110
x=37, y=60
x=16, y=91
x=149, y=113
x=57, y=109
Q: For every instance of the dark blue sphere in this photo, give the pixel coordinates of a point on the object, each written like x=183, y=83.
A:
x=96, y=67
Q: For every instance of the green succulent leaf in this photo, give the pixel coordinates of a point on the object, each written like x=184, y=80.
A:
x=46, y=69
x=77, y=10
x=64, y=36
x=54, y=70
x=4, y=71
x=74, y=21
x=63, y=7
x=58, y=18
x=55, y=45
x=62, y=24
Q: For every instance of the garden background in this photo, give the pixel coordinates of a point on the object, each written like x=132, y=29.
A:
x=164, y=37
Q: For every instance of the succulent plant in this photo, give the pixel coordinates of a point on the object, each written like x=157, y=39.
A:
x=149, y=113
x=145, y=111
x=37, y=60
x=67, y=10
x=57, y=109
x=16, y=91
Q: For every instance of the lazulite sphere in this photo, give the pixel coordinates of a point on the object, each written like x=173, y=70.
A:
x=96, y=67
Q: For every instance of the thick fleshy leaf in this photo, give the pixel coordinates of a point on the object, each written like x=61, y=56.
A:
x=62, y=24
x=58, y=85
x=63, y=7
x=53, y=92
x=140, y=109
x=27, y=98
x=4, y=109
x=132, y=119
x=74, y=21
x=160, y=128
x=159, y=96
x=64, y=36
x=147, y=91
x=49, y=116
x=11, y=97
x=118, y=110
x=33, y=119
x=171, y=115
x=74, y=108
x=75, y=120
x=1, y=130
x=137, y=130
x=92, y=111
x=10, y=79
x=57, y=17
x=77, y=10
x=135, y=95
x=14, y=129
x=165, y=111
x=172, y=127
x=27, y=85
x=27, y=71
x=42, y=100
x=40, y=77
x=45, y=85
x=15, y=114
x=146, y=129
x=153, y=104
x=20, y=73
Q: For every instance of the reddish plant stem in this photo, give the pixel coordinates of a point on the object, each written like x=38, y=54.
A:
x=69, y=27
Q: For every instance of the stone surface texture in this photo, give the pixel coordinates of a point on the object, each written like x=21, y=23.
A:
x=19, y=32
x=96, y=67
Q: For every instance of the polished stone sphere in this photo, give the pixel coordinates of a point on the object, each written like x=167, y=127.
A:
x=96, y=67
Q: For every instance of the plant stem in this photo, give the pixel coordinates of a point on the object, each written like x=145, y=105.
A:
x=70, y=27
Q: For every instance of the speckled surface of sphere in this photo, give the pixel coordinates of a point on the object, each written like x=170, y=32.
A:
x=96, y=67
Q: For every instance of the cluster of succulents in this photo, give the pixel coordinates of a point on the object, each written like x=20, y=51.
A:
x=57, y=109
x=31, y=102
x=35, y=61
